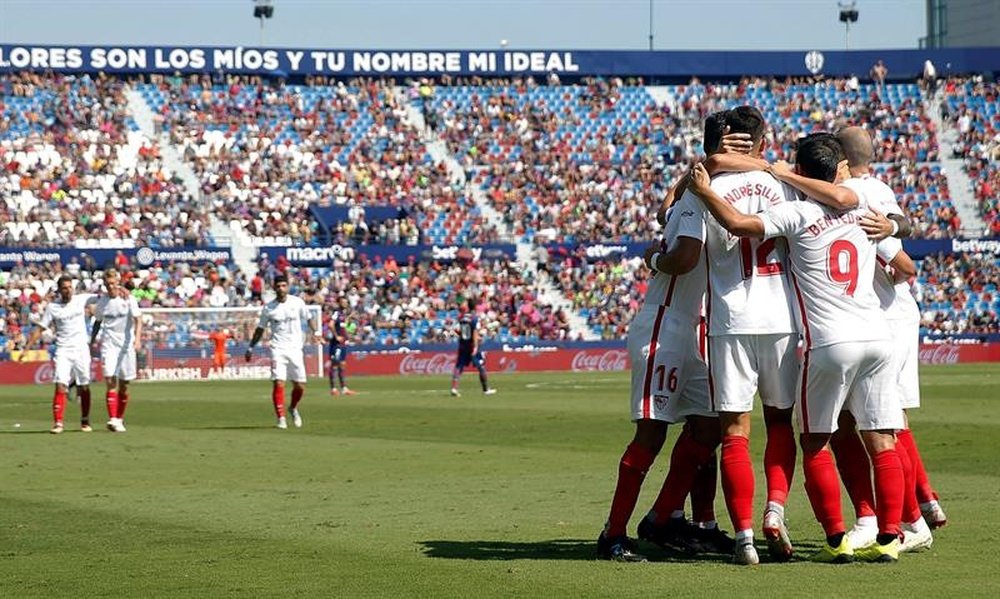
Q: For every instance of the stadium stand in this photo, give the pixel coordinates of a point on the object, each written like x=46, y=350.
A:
x=972, y=107
x=74, y=170
x=266, y=152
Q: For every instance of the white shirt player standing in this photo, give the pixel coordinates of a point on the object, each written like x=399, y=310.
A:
x=68, y=316
x=118, y=325
x=284, y=316
x=847, y=348
x=752, y=343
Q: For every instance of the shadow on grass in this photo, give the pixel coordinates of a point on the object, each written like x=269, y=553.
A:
x=555, y=549
x=576, y=549
x=21, y=431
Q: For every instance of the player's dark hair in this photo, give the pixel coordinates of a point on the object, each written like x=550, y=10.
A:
x=280, y=279
x=746, y=119
x=715, y=128
x=63, y=279
x=818, y=155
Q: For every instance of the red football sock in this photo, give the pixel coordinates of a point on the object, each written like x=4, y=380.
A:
x=84, y=395
x=823, y=490
x=685, y=460
x=925, y=492
x=278, y=398
x=122, y=403
x=111, y=398
x=297, y=393
x=631, y=472
x=737, y=480
x=703, y=491
x=888, y=491
x=779, y=461
x=58, y=406
x=911, y=507
x=855, y=470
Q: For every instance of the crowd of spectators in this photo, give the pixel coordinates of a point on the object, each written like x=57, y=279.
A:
x=958, y=294
x=972, y=107
x=607, y=292
x=585, y=162
x=74, y=170
x=265, y=152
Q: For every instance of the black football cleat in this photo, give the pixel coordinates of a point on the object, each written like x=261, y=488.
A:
x=618, y=549
x=674, y=535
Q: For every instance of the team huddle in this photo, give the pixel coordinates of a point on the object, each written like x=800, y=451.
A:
x=792, y=285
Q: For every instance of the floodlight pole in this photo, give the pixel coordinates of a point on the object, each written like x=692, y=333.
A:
x=651, y=25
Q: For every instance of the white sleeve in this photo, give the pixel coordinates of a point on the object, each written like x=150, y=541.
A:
x=690, y=215
x=888, y=248
x=262, y=322
x=781, y=221
x=46, y=320
x=133, y=306
x=99, y=310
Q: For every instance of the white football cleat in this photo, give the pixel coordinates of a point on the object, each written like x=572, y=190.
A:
x=933, y=514
x=56, y=428
x=85, y=427
x=296, y=419
x=779, y=545
x=746, y=554
x=282, y=423
x=116, y=425
x=455, y=393
x=862, y=534
x=490, y=392
x=916, y=538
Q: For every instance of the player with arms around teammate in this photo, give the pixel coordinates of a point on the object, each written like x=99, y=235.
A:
x=847, y=352
x=669, y=385
x=752, y=343
x=338, y=349
x=118, y=324
x=284, y=315
x=903, y=316
x=68, y=316
x=469, y=350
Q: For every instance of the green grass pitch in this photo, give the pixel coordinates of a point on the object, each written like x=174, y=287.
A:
x=403, y=491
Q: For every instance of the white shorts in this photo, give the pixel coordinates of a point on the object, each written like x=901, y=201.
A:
x=906, y=361
x=72, y=366
x=854, y=376
x=288, y=364
x=669, y=376
x=118, y=362
x=741, y=365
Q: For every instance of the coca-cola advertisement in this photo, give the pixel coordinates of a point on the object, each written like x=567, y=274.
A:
x=600, y=360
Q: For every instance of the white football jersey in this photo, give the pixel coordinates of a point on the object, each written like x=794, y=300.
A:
x=680, y=295
x=70, y=320
x=748, y=292
x=285, y=320
x=896, y=299
x=117, y=316
x=832, y=270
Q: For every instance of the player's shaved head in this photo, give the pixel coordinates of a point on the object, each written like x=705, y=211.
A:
x=857, y=145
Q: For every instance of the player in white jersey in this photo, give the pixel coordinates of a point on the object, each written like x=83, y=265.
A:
x=903, y=317
x=669, y=385
x=847, y=349
x=284, y=316
x=752, y=343
x=68, y=316
x=118, y=324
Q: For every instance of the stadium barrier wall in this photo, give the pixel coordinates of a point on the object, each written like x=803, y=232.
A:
x=299, y=62
x=601, y=358
x=102, y=257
